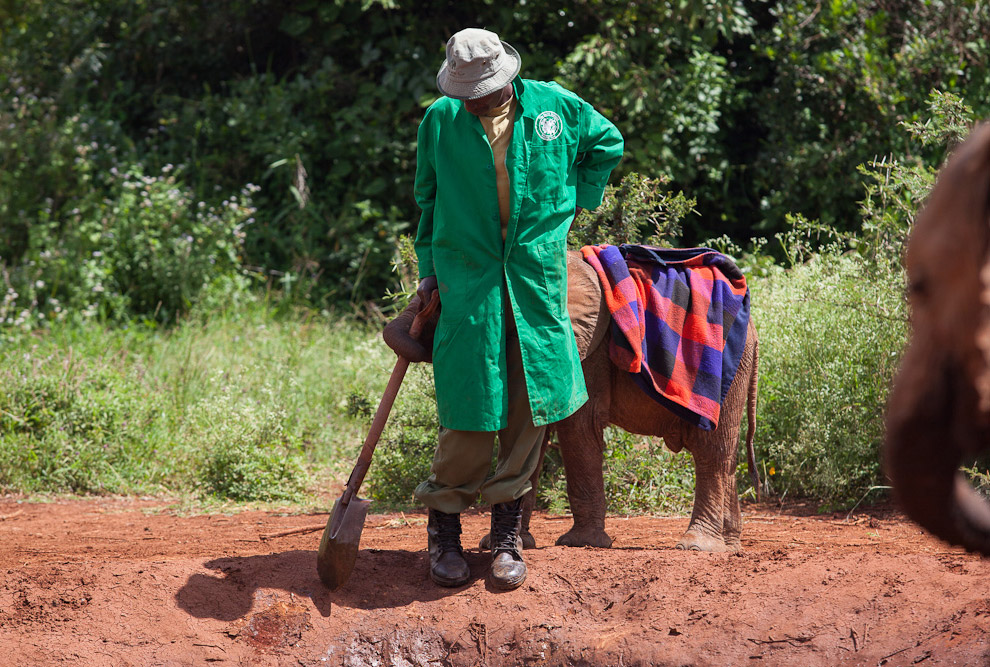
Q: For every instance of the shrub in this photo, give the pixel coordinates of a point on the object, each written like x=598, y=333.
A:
x=832, y=327
x=641, y=476
x=840, y=79
x=405, y=453
x=756, y=109
x=71, y=427
x=148, y=252
x=831, y=335
x=896, y=188
x=249, y=468
x=246, y=454
x=637, y=210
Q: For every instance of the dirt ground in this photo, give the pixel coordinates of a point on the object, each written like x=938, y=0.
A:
x=126, y=582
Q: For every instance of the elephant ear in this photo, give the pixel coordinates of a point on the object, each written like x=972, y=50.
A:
x=585, y=304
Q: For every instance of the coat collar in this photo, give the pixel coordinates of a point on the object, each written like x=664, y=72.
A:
x=522, y=108
x=523, y=99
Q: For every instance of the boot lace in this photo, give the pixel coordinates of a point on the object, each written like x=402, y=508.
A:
x=448, y=534
x=506, y=521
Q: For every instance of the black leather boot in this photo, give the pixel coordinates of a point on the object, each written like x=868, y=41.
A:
x=447, y=564
x=508, y=568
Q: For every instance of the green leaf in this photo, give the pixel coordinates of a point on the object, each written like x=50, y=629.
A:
x=294, y=24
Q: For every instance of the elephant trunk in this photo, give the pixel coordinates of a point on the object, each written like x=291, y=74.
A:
x=928, y=434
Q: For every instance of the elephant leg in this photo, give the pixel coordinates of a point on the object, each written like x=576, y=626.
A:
x=713, y=513
x=732, y=516
x=581, y=447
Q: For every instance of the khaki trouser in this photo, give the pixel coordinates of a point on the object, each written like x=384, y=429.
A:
x=463, y=458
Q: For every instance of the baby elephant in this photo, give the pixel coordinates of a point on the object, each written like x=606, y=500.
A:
x=614, y=398
x=938, y=414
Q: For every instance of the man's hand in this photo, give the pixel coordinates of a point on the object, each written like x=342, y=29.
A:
x=425, y=289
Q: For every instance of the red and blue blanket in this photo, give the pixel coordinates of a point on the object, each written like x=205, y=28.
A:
x=679, y=323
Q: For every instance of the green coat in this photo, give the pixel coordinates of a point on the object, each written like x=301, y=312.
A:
x=560, y=157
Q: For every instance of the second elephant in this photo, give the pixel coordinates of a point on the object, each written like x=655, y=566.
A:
x=614, y=398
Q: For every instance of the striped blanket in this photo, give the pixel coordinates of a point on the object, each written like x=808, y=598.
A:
x=679, y=322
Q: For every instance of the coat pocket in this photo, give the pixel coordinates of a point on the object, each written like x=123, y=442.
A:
x=553, y=260
x=458, y=278
x=548, y=170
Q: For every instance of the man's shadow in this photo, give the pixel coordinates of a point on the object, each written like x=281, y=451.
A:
x=380, y=579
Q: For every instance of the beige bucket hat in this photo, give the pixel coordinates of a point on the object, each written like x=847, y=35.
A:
x=478, y=63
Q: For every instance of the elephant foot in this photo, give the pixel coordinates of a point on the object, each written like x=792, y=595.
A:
x=589, y=537
x=693, y=541
x=528, y=541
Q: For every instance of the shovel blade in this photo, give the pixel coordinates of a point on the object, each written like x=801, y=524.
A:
x=339, y=544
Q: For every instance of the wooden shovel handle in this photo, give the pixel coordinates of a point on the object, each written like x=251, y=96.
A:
x=385, y=406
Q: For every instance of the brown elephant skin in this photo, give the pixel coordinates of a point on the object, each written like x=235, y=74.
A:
x=938, y=413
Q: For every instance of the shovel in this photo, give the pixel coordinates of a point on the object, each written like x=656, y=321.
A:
x=339, y=544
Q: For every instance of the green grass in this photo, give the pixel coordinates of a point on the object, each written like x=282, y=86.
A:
x=251, y=404
x=831, y=336
x=248, y=406
x=641, y=476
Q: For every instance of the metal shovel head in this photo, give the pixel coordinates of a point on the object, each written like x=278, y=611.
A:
x=339, y=544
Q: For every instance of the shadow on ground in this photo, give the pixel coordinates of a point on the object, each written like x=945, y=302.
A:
x=381, y=580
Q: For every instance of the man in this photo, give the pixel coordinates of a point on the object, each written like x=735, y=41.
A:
x=503, y=166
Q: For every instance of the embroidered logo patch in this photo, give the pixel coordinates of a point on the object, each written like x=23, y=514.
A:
x=549, y=125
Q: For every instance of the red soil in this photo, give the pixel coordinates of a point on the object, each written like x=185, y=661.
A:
x=120, y=582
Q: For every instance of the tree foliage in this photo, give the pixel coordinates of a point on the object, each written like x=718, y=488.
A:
x=755, y=109
x=845, y=75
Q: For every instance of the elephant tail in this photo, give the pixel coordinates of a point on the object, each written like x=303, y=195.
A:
x=754, y=474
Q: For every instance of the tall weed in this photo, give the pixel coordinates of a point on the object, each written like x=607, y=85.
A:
x=246, y=452
x=832, y=327
x=831, y=335
x=241, y=405
x=71, y=424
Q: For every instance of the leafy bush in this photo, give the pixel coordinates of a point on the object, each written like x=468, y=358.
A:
x=832, y=327
x=843, y=77
x=70, y=428
x=637, y=210
x=655, y=69
x=896, y=188
x=250, y=468
x=246, y=455
x=405, y=453
x=147, y=251
x=756, y=109
x=329, y=189
x=831, y=335
x=320, y=113
x=640, y=475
